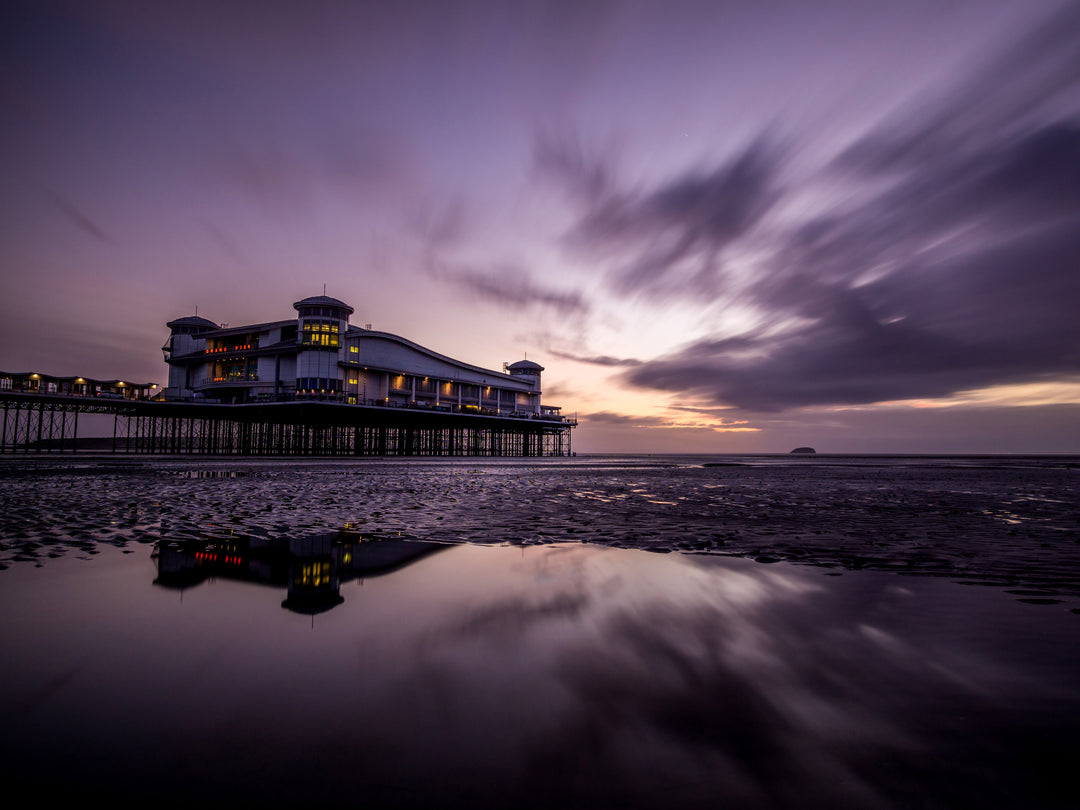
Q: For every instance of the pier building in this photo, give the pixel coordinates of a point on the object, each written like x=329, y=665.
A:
x=319, y=355
x=312, y=385
x=32, y=382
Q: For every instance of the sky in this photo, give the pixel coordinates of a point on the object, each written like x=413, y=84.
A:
x=721, y=227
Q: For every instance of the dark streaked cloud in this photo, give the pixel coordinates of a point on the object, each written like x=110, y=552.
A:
x=952, y=270
x=1019, y=88
x=597, y=360
x=623, y=420
x=998, y=316
x=669, y=239
x=510, y=286
x=80, y=220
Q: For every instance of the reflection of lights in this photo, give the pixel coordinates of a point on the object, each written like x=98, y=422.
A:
x=213, y=557
x=314, y=575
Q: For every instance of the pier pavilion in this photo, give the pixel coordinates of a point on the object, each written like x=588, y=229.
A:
x=313, y=385
x=319, y=355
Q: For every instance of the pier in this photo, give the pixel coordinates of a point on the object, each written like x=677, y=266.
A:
x=49, y=423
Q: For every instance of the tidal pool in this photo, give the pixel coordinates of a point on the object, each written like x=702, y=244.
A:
x=341, y=670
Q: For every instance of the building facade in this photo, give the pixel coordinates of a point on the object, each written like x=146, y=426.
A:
x=319, y=356
x=29, y=382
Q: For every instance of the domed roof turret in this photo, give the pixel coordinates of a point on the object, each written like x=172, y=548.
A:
x=524, y=367
x=192, y=320
x=323, y=301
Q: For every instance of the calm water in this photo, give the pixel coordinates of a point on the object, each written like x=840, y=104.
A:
x=157, y=650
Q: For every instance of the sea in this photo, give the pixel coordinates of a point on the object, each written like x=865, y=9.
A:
x=629, y=631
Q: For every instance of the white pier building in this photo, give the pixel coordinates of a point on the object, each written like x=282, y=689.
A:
x=319, y=356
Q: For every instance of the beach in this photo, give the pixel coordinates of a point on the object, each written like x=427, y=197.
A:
x=760, y=632
x=1011, y=521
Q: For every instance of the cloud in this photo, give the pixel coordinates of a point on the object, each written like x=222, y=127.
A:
x=557, y=391
x=953, y=268
x=439, y=226
x=1000, y=315
x=80, y=220
x=285, y=173
x=511, y=286
x=565, y=161
x=717, y=424
x=597, y=360
x=623, y=420
x=1016, y=90
x=668, y=240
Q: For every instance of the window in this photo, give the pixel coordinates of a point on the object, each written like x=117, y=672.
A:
x=317, y=384
x=320, y=334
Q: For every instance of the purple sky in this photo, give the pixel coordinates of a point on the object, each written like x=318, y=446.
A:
x=719, y=226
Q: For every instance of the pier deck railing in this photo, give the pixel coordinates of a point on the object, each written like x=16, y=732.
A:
x=48, y=423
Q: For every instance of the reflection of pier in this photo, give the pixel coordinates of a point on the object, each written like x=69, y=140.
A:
x=47, y=423
x=311, y=569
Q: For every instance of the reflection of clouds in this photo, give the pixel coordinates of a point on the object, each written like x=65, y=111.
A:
x=514, y=616
x=632, y=659
x=642, y=679
x=578, y=676
x=723, y=682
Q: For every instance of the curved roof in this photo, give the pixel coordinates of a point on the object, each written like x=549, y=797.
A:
x=192, y=320
x=366, y=334
x=525, y=365
x=323, y=301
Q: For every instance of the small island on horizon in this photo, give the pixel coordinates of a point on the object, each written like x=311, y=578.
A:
x=803, y=451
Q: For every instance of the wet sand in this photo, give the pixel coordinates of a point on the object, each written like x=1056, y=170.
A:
x=562, y=675
x=1012, y=523
x=810, y=642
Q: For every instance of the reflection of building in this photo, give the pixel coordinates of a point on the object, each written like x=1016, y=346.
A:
x=319, y=355
x=310, y=569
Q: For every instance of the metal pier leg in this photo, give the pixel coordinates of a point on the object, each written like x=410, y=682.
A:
x=41, y=419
